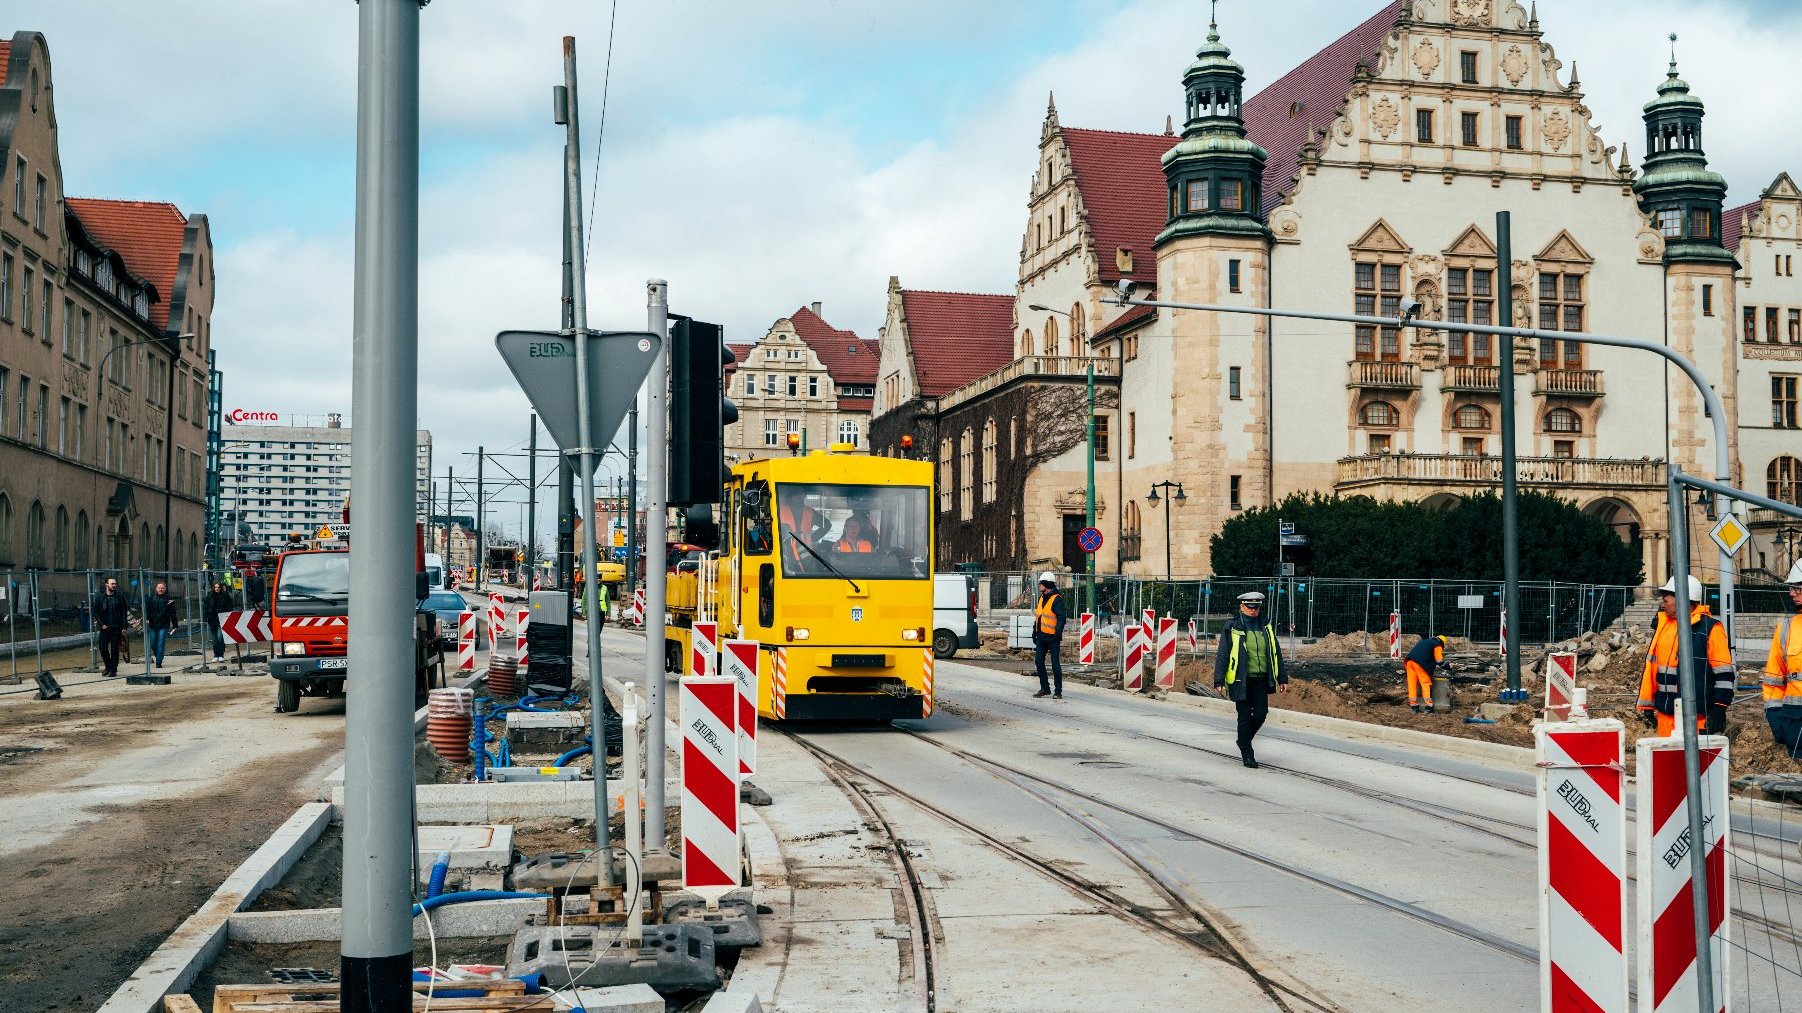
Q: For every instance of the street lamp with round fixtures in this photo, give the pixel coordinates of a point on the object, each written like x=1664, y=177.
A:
x=1153, y=500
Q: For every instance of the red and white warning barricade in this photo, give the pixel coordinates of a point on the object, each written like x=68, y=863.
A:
x=497, y=618
x=703, y=649
x=738, y=662
x=1148, y=619
x=1085, y=642
x=1166, y=666
x=1502, y=636
x=709, y=709
x=247, y=627
x=1194, y=638
x=466, y=641
x=928, y=691
x=1582, y=867
x=1395, y=636
x=1667, y=929
x=1132, y=657
x=1560, y=684
x=521, y=619
x=637, y=614
x=779, y=683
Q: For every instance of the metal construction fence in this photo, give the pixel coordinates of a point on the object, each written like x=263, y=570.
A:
x=1311, y=608
x=51, y=612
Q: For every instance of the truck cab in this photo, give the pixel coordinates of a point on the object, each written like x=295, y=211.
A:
x=309, y=625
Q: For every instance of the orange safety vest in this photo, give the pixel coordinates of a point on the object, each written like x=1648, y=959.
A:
x=860, y=545
x=1783, y=669
x=1659, y=683
x=1045, y=610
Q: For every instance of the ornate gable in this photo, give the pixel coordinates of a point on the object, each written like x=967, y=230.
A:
x=1472, y=243
x=1564, y=248
x=1782, y=188
x=1381, y=238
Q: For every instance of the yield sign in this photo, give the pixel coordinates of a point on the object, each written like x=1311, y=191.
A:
x=1730, y=534
x=544, y=363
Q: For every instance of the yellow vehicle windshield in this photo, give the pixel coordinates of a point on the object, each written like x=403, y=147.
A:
x=832, y=531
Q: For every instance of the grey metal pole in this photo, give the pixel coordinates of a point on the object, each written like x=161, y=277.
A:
x=578, y=308
x=481, y=518
x=1692, y=757
x=531, y=553
x=376, y=952
x=143, y=616
x=656, y=549
x=1504, y=289
x=631, y=504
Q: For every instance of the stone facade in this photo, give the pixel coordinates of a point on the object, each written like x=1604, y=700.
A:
x=803, y=377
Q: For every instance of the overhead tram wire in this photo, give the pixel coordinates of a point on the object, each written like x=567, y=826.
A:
x=600, y=134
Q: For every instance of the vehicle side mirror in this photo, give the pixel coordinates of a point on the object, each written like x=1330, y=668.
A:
x=421, y=590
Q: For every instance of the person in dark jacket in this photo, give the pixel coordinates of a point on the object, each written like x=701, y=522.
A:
x=1248, y=667
x=1048, y=636
x=109, y=618
x=1419, y=667
x=254, y=590
x=160, y=611
x=218, y=600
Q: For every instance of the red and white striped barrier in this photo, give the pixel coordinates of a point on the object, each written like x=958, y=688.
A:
x=637, y=614
x=738, y=662
x=709, y=708
x=1503, y=634
x=521, y=619
x=1194, y=638
x=1166, y=666
x=1582, y=868
x=497, y=617
x=466, y=641
x=1560, y=685
x=1395, y=636
x=779, y=683
x=703, y=649
x=309, y=622
x=1132, y=657
x=927, y=688
x=1085, y=643
x=1667, y=933
x=246, y=627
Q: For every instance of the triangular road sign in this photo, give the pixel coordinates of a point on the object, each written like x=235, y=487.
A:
x=544, y=363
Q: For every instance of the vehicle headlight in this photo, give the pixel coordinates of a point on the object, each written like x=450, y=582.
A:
x=293, y=647
x=799, y=633
x=910, y=634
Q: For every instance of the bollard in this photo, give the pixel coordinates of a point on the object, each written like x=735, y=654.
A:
x=631, y=771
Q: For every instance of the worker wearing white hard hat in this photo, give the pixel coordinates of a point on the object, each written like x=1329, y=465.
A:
x=1248, y=667
x=1712, y=676
x=1048, y=635
x=1783, y=673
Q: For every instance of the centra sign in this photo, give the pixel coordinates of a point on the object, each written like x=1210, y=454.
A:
x=244, y=415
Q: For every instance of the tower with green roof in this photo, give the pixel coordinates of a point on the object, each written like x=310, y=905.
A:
x=1215, y=173
x=1677, y=189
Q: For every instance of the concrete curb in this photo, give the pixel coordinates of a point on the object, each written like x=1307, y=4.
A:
x=197, y=941
x=457, y=921
x=1477, y=749
x=501, y=801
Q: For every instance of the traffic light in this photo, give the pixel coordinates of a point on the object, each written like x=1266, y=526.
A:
x=699, y=411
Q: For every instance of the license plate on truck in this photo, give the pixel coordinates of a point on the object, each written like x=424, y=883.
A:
x=326, y=664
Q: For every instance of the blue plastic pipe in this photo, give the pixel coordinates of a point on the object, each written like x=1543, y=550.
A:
x=432, y=903
x=573, y=754
x=440, y=868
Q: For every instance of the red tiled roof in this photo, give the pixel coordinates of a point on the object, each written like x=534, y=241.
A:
x=740, y=353
x=1316, y=91
x=849, y=358
x=957, y=337
x=1733, y=219
x=148, y=234
x=1126, y=321
x=1121, y=181
x=6, y=52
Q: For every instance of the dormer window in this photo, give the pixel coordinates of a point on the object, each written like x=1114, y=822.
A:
x=142, y=304
x=1231, y=195
x=103, y=276
x=1198, y=195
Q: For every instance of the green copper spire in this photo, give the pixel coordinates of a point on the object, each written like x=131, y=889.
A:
x=1677, y=189
x=1215, y=173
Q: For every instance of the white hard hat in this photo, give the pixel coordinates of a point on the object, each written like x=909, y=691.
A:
x=1695, y=589
x=1795, y=574
x=1048, y=578
x=1254, y=597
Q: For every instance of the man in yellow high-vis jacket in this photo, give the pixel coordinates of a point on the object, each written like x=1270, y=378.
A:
x=1783, y=673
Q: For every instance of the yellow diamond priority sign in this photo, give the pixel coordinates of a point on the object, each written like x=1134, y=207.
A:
x=1730, y=534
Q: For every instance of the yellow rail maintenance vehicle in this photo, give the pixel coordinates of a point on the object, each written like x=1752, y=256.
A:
x=826, y=561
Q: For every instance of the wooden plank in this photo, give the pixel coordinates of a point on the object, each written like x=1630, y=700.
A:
x=180, y=1004
x=499, y=994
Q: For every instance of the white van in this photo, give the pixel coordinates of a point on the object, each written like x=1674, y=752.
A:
x=434, y=572
x=953, y=613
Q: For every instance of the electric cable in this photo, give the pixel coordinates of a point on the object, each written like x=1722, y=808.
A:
x=600, y=136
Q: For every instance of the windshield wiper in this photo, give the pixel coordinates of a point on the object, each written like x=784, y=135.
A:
x=310, y=596
x=802, y=542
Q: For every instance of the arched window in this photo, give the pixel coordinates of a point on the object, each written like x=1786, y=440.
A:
x=966, y=477
x=988, y=461
x=1077, y=331
x=144, y=546
x=1026, y=347
x=180, y=546
x=1471, y=416
x=6, y=530
x=159, y=548
x=1129, y=530
x=1563, y=420
x=1783, y=480
x=83, y=532
x=194, y=551
x=60, y=556
x=1381, y=413
x=1050, y=335
x=34, y=536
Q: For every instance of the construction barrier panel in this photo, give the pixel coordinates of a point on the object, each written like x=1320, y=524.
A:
x=1667, y=928
x=1395, y=636
x=703, y=649
x=1132, y=657
x=739, y=663
x=1194, y=640
x=1085, y=643
x=247, y=627
x=929, y=700
x=1560, y=684
x=466, y=641
x=1582, y=867
x=637, y=614
x=779, y=683
x=708, y=711
x=1502, y=634
x=1166, y=666
x=521, y=619
x=497, y=617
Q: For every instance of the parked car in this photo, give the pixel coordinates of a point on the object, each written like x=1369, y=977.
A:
x=953, y=613
x=446, y=606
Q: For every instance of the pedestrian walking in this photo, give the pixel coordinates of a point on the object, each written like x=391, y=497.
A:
x=1048, y=636
x=110, y=615
x=160, y=611
x=1783, y=673
x=1422, y=662
x=218, y=602
x=254, y=590
x=1712, y=677
x=1249, y=667
x=603, y=603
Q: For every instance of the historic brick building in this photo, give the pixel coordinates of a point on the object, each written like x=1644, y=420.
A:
x=806, y=377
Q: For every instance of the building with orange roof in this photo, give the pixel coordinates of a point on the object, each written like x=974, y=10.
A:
x=105, y=333
x=806, y=377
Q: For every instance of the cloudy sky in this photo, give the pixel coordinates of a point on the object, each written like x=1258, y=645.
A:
x=758, y=155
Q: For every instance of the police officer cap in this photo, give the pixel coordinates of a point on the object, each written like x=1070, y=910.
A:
x=1252, y=597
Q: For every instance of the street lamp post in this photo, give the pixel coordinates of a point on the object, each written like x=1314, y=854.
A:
x=1153, y=500
x=1089, y=442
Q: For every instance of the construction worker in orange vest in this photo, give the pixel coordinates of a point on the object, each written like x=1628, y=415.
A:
x=1047, y=636
x=1712, y=677
x=1419, y=666
x=1783, y=673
